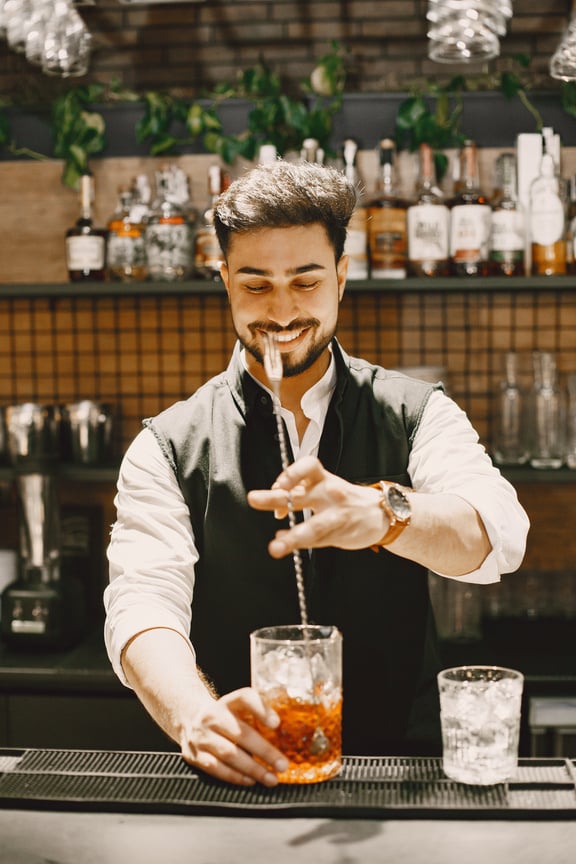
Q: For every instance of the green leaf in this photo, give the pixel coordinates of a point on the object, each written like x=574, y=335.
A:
x=410, y=112
x=568, y=97
x=4, y=128
x=510, y=84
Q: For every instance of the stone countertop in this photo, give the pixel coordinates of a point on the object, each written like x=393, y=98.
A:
x=109, y=838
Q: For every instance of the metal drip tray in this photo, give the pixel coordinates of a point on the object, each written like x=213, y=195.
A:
x=367, y=787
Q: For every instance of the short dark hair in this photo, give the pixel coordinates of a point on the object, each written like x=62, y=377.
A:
x=284, y=194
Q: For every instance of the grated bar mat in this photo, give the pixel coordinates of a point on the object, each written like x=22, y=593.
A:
x=367, y=787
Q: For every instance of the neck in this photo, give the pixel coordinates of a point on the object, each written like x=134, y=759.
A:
x=293, y=388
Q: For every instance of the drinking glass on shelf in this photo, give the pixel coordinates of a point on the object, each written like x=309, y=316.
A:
x=510, y=445
x=547, y=447
x=571, y=421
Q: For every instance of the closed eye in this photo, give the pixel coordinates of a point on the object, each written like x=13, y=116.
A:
x=305, y=286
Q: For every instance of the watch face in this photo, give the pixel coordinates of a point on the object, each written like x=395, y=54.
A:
x=399, y=504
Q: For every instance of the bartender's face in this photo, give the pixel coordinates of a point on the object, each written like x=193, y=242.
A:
x=285, y=281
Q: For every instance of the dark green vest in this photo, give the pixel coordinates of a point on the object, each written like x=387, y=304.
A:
x=221, y=443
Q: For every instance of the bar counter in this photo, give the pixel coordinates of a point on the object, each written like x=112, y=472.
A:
x=97, y=806
x=107, y=838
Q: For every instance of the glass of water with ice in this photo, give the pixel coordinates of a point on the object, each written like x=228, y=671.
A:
x=480, y=718
x=297, y=670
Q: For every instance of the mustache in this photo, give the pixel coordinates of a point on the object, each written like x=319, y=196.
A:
x=273, y=327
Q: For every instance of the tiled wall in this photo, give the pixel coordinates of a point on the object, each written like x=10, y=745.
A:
x=192, y=46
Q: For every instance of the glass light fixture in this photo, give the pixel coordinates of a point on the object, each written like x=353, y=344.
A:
x=563, y=61
x=466, y=31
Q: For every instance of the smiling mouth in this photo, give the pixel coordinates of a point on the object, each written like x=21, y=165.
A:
x=286, y=338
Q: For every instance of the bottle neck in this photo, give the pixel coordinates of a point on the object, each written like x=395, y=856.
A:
x=427, y=175
x=469, y=174
x=86, y=197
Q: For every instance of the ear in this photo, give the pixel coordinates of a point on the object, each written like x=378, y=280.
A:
x=225, y=275
x=342, y=272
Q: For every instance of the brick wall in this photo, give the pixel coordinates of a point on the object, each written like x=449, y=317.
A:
x=192, y=46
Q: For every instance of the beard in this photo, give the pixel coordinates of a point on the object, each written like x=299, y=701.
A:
x=290, y=367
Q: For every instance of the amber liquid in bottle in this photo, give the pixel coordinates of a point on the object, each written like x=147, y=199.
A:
x=85, y=244
x=547, y=222
x=470, y=220
x=387, y=237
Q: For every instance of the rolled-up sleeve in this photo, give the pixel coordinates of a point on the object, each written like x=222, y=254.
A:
x=151, y=552
x=448, y=457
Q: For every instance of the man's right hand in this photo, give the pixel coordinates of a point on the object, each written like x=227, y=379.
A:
x=220, y=739
x=217, y=735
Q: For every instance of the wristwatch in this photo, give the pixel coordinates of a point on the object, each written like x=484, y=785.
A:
x=396, y=505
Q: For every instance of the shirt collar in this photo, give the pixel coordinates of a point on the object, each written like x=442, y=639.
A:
x=316, y=399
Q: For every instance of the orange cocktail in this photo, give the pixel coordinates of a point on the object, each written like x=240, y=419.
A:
x=298, y=672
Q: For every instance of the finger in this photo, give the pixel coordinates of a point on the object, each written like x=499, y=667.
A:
x=302, y=536
x=277, y=499
x=306, y=471
x=230, y=767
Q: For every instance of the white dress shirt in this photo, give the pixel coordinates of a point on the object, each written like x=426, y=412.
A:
x=152, y=551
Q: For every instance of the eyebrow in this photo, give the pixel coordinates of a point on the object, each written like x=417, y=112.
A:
x=255, y=271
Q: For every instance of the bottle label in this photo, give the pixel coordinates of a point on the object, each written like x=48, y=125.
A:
x=85, y=252
x=207, y=252
x=428, y=232
x=356, y=245
x=546, y=218
x=470, y=228
x=507, y=232
x=387, y=241
x=169, y=249
x=126, y=251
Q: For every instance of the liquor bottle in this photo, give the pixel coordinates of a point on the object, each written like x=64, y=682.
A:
x=428, y=223
x=311, y=151
x=141, y=199
x=547, y=219
x=571, y=227
x=356, y=244
x=387, y=240
x=85, y=244
x=208, y=257
x=126, y=256
x=508, y=242
x=168, y=234
x=267, y=154
x=470, y=219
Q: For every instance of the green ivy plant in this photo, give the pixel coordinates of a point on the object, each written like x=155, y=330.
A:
x=432, y=118
x=79, y=133
x=433, y=113
x=277, y=117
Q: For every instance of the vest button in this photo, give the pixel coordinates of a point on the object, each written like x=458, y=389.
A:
x=264, y=400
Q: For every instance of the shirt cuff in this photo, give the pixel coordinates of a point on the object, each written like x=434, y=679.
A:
x=486, y=574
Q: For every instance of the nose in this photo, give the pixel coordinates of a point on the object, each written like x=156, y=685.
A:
x=282, y=307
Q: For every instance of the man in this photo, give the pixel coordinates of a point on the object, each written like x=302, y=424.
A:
x=201, y=490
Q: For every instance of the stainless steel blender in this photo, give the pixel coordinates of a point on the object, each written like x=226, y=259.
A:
x=40, y=608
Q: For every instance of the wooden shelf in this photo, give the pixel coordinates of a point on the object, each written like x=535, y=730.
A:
x=494, y=284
